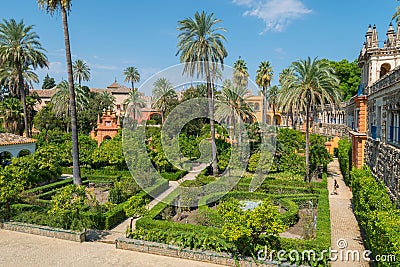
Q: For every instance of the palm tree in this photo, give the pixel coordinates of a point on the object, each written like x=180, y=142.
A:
x=201, y=49
x=287, y=73
x=233, y=107
x=396, y=15
x=263, y=80
x=135, y=104
x=61, y=102
x=20, y=49
x=81, y=71
x=163, y=93
x=240, y=74
x=273, y=96
x=107, y=99
x=11, y=114
x=54, y=6
x=131, y=75
x=313, y=83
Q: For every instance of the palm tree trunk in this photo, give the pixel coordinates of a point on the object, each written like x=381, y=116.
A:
x=23, y=100
x=211, y=113
x=74, y=130
x=308, y=104
x=264, y=108
x=273, y=112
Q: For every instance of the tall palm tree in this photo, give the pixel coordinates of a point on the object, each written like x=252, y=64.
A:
x=135, y=104
x=52, y=7
x=163, y=93
x=201, y=48
x=81, y=71
x=240, y=74
x=9, y=79
x=263, y=80
x=273, y=96
x=132, y=75
x=287, y=107
x=61, y=102
x=313, y=83
x=20, y=49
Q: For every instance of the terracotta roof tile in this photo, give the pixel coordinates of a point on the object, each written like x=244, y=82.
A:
x=13, y=139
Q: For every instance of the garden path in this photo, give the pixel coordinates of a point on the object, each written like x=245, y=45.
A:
x=20, y=249
x=120, y=230
x=345, y=231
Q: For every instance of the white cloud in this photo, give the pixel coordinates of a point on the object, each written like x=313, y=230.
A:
x=276, y=14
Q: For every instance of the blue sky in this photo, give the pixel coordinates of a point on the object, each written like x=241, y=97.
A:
x=112, y=35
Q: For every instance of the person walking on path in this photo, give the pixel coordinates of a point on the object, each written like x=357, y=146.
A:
x=335, y=187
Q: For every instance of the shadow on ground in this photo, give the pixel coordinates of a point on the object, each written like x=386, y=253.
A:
x=96, y=235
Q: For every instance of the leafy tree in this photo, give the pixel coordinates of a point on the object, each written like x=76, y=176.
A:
x=313, y=83
x=245, y=228
x=54, y=6
x=11, y=186
x=48, y=82
x=81, y=71
x=110, y=154
x=20, y=49
x=46, y=119
x=42, y=166
x=201, y=49
x=263, y=80
x=69, y=204
x=349, y=75
x=132, y=75
x=96, y=103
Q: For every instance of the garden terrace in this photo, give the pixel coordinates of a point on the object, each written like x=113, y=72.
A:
x=155, y=227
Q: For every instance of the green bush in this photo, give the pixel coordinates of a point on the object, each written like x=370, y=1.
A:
x=344, y=157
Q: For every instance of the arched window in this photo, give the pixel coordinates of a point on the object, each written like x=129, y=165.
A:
x=24, y=152
x=385, y=68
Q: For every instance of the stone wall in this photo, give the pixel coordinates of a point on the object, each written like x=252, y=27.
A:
x=174, y=251
x=44, y=231
x=384, y=162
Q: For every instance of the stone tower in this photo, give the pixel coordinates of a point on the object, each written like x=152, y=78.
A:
x=107, y=127
x=376, y=61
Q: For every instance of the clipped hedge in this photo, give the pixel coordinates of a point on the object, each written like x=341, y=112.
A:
x=49, y=187
x=344, y=157
x=174, y=176
x=114, y=216
x=377, y=215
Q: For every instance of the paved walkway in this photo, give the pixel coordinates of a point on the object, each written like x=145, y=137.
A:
x=18, y=249
x=120, y=230
x=345, y=231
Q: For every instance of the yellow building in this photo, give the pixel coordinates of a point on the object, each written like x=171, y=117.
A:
x=256, y=103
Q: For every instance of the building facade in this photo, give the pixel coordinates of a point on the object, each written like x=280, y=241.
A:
x=381, y=81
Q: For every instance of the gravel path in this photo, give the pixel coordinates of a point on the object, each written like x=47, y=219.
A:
x=18, y=249
x=345, y=231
